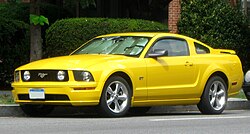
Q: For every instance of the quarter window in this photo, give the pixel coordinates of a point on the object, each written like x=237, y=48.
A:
x=174, y=47
x=200, y=49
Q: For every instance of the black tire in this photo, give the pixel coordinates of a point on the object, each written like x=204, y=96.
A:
x=116, y=97
x=37, y=110
x=214, y=97
x=138, y=110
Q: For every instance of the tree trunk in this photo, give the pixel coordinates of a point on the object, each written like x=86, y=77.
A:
x=77, y=8
x=245, y=7
x=35, y=33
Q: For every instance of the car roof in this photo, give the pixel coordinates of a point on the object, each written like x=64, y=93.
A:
x=152, y=34
x=146, y=34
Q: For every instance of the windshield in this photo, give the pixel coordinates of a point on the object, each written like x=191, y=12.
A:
x=128, y=45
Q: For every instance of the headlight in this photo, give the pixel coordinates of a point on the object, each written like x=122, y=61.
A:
x=16, y=76
x=26, y=75
x=247, y=76
x=83, y=76
x=61, y=75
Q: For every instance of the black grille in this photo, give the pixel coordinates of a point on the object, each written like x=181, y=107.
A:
x=49, y=97
x=45, y=75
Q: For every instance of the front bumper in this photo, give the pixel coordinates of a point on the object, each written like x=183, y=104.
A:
x=59, y=93
x=246, y=89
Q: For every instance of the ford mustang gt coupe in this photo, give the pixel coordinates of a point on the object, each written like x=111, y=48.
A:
x=130, y=72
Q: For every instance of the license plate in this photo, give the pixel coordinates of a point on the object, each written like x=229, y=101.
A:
x=36, y=94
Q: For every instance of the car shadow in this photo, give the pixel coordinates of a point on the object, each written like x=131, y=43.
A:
x=92, y=112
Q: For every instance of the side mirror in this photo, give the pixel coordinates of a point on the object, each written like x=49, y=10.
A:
x=158, y=53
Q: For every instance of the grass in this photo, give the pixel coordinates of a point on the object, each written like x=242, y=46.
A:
x=6, y=99
x=241, y=95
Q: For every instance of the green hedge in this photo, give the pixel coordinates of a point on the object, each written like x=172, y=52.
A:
x=14, y=48
x=20, y=11
x=218, y=24
x=66, y=35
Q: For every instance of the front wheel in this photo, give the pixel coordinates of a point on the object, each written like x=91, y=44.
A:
x=116, y=97
x=37, y=110
x=214, y=97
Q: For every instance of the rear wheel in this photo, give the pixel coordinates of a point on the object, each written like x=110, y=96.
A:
x=37, y=110
x=116, y=97
x=214, y=97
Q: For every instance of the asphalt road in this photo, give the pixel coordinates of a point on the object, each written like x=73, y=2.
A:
x=230, y=122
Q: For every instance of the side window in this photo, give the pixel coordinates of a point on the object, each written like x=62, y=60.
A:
x=200, y=49
x=174, y=47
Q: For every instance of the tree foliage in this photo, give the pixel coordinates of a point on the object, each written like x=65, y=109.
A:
x=217, y=23
x=35, y=19
x=14, y=10
x=14, y=48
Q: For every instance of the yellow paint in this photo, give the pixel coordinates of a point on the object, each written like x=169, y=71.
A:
x=156, y=81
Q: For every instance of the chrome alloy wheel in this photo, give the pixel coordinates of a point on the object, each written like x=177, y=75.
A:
x=217, y=95
x=117, y=96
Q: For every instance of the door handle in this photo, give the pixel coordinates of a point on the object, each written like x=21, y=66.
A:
x=188, y=63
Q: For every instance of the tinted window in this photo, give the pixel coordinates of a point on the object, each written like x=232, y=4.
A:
x=200, y=49
x=174, y=47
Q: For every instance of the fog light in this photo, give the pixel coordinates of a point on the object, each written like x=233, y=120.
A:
x=61, y=75
x=26, y=75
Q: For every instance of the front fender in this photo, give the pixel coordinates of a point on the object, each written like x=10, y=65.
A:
x=104, y=71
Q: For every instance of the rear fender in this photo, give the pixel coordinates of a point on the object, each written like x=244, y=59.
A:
x=210, y=71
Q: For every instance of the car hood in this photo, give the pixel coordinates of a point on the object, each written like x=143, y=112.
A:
x=73, y=62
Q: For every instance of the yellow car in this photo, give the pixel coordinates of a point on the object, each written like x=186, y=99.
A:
x=130, y=72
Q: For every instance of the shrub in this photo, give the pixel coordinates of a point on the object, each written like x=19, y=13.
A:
x=217, y=23
x=66, y=35
x=17, y=11
x=14, y=48
x=20, y=11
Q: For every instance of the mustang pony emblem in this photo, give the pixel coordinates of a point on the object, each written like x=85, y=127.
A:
x=42, y=75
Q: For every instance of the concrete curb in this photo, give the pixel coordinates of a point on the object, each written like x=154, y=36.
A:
x=14, y=110
x=10, y=110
